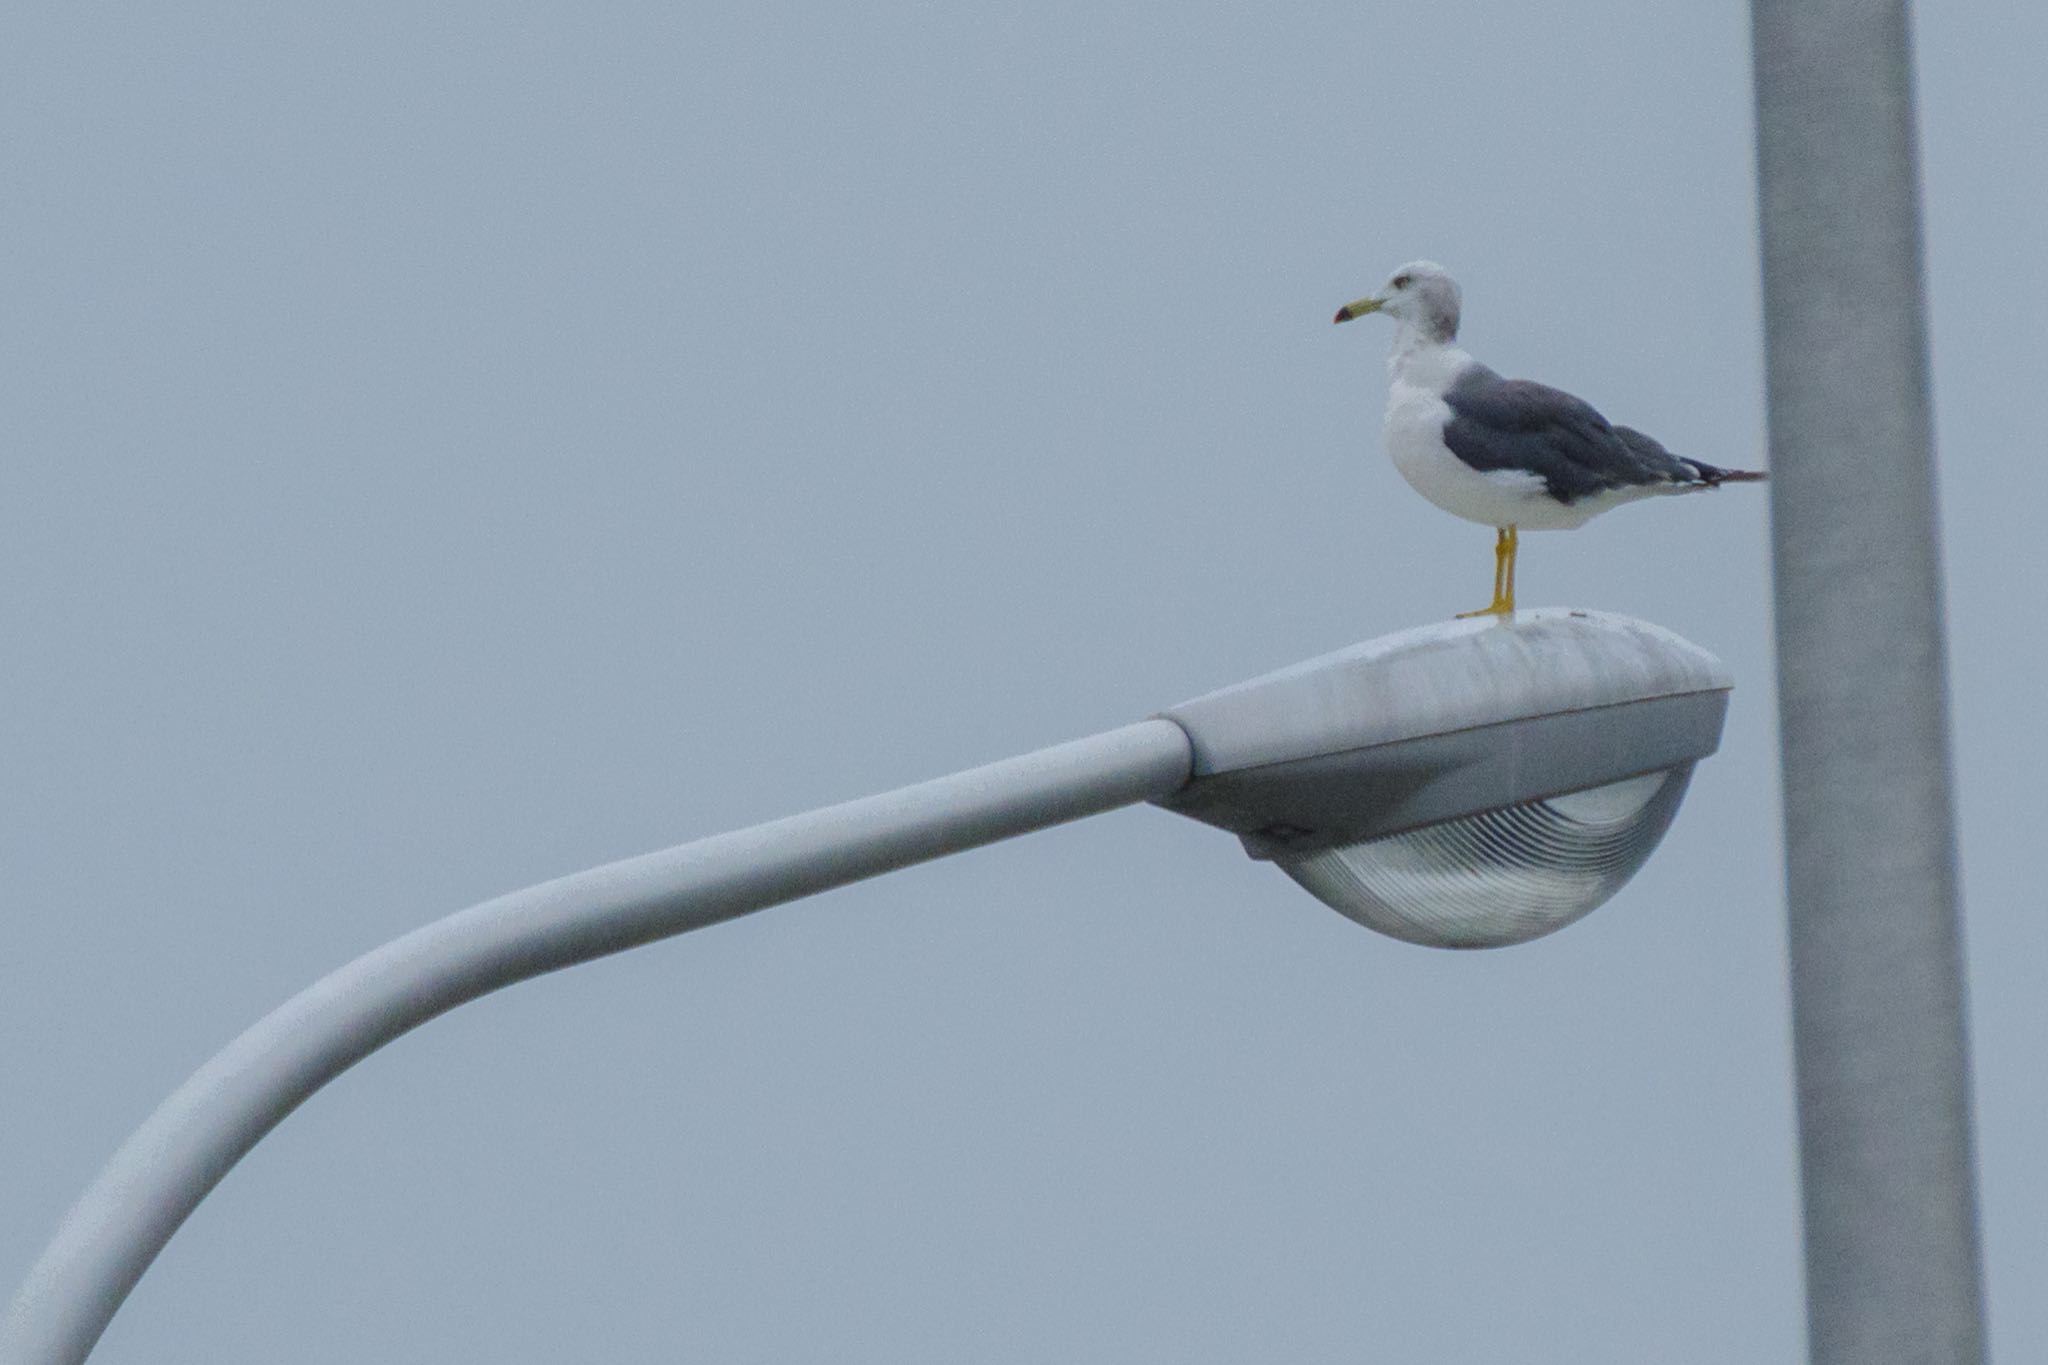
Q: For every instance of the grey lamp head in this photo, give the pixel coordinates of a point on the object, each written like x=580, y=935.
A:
x=1463, y=785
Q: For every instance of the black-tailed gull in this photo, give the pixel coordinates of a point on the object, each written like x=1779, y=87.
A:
x=1505, y=452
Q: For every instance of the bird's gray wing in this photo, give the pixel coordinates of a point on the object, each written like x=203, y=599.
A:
x=1500, y=423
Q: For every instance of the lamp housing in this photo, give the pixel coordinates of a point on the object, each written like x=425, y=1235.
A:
x=1467, y=784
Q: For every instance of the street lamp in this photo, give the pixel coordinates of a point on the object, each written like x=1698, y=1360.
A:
x=1461, y=786
x=1464, y=784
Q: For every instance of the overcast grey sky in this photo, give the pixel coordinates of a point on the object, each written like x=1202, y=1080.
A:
x=450, y=446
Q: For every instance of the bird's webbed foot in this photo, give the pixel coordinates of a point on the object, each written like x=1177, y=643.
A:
x=1506, y=543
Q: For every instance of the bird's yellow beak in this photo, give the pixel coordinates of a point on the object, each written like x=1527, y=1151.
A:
x=1359, y=309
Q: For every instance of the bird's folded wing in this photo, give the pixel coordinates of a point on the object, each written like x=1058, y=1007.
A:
x=1513, y=424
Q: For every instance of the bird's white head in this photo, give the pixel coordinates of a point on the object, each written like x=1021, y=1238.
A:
x=1420, y=295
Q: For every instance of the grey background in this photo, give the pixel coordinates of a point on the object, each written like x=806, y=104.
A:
x=446, y=448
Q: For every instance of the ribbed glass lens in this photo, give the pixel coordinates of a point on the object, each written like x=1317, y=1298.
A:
x=1501, y=876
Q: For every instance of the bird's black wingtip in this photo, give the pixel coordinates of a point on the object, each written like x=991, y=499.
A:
x=1713, y=476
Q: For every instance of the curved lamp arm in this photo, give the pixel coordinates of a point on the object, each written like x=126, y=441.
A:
x=195, y=1137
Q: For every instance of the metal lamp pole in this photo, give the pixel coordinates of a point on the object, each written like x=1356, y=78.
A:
x=184, y=1149
x=1421, y=731
x=1892, y=1261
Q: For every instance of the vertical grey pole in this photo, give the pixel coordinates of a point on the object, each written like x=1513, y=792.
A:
x=1877, y=982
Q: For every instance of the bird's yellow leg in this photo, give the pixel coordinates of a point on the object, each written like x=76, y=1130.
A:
x=1506, y=542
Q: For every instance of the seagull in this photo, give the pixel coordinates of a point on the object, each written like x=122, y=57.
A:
x=1506, y=453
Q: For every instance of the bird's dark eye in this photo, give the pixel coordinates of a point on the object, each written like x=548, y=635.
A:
x=1403, y=281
